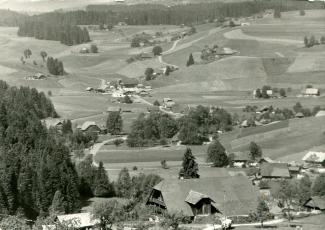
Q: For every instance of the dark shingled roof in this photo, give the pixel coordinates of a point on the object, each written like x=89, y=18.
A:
x=275, y=170
x=231, y=195
x=316, y=202
x=194, y=197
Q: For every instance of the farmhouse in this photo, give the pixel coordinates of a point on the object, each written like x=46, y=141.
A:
x=130, y=82
x=275, y=171
x=80, y=221
x=90, y=126
x=299, y=115
x=205, y=196
x=311, y=92
x=316, y=203
x=241, y=158
x=56, y=123
x=315, y=156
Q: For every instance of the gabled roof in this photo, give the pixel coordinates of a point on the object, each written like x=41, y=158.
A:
x=316, y=202
x=130, y=81
x=194, y=197
x=232, y=195
x=316, y=155
x=275, y=170
x=241, y=156
x=87, y=124
x=78, y=220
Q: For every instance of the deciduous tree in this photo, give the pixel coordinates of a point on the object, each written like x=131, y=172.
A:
x=217, y=154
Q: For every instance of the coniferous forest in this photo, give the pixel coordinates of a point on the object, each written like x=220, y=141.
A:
x=66, y=34
x=34, y=164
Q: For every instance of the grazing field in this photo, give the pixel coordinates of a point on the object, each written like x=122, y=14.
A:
x=126, y=155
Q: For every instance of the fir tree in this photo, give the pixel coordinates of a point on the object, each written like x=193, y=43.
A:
x=123, y=184
x=217, y=154
x=102, y=185
x=190, y=60
x=189, y=166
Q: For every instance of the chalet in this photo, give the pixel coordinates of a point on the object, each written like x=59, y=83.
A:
x=246, y=124
x=90, y=126
x=56, y=123
x=269, y=92
x=224, y=51
x=130, y=82
x=205, y=196
x=315, y=156
x=316, y=203
x=168, y=103
x=311, y=92
x=89, y=89
x=241, y=158
x=80, y=221
x=274, y=171
x=113, y=109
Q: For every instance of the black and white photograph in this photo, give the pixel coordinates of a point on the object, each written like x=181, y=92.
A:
x=162, y=114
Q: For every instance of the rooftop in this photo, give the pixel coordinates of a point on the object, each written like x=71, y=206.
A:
x=275, y=170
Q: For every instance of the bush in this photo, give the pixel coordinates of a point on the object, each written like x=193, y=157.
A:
x=93, y=48
x=157, y=50
x=135, y=168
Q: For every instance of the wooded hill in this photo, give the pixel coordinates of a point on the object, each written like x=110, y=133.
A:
x=34, y=162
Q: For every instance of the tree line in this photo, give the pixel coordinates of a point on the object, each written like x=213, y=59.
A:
x=155, y=14
x=67, y=34
x=193, y=128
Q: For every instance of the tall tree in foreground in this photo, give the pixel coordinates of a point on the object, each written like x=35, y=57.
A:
x=262, y=211
x=319, y=185
x=114, y=123
x=108, y=212
x=189, y=166
x=217, y=154
x=57, y=206
x=123, y=184
x=102, y=185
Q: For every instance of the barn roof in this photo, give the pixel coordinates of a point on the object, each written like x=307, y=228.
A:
x=275, y=170
x=194, y=197
x=113, y=109
x=78, y=220
x=87, y=124
x=316, y=202
x=316, y=155
x=231, y=195
x=130, y=81
x=241, y=156
x=320, y=113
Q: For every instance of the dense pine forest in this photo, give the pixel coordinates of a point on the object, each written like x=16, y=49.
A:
x=66, y=34
x=34, y=163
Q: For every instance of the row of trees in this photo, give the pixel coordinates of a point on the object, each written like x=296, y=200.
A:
x=193, y=128
x=55, y=66
x=66, y=34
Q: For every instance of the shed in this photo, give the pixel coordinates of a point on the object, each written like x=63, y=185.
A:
x=90, y=126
